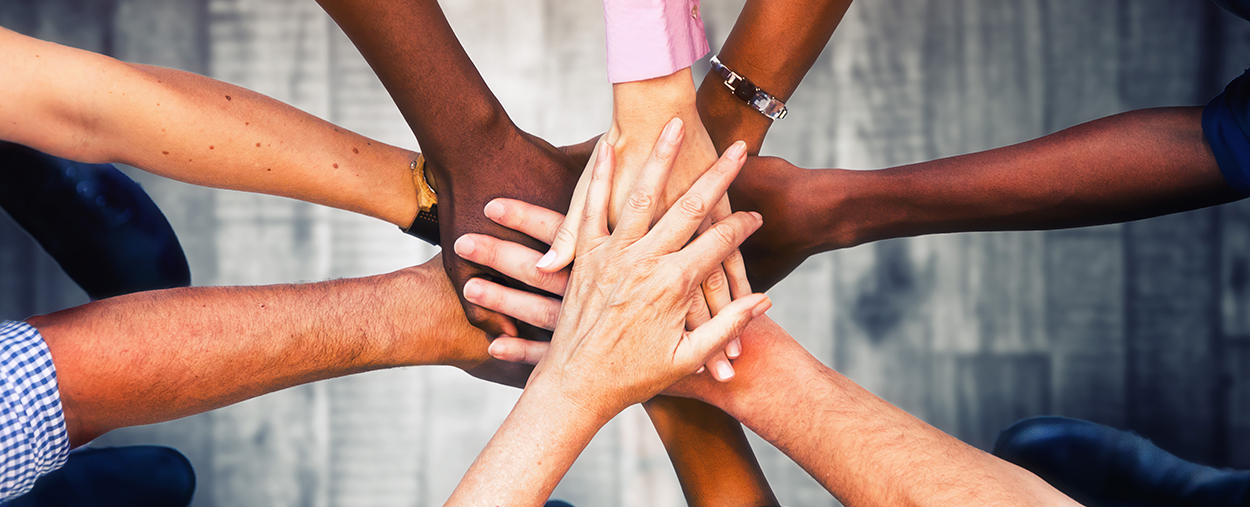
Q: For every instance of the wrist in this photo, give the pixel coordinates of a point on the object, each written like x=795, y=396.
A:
x=729, y=118
x=571, y=396
x=653, y=102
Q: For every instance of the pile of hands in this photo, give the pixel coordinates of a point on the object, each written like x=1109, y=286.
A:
x=644, y=306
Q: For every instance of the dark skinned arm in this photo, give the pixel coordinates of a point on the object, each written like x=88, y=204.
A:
x=1129, y=166
x=473, y=150
x=773, y=44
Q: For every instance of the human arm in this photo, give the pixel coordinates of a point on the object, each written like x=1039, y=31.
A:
x=91, y=108
x=161, y=355
x=1125, y=167
x=621, y=334
x=1129, y=166
x=862, y=449
x=710, y=454
x=473, y=149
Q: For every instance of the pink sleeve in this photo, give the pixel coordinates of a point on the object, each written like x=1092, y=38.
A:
x=652, y=38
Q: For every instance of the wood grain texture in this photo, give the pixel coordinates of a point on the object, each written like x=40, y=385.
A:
x=1142, y=326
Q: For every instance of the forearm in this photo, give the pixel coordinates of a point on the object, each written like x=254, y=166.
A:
x=710, y=453
x=773, y=44
x=862, y=449
x=88, y=107
x=155, y=356
x=1129, y=166
x=413, y=50
x=531, y=451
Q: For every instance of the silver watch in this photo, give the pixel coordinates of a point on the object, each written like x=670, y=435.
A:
x=744, y=89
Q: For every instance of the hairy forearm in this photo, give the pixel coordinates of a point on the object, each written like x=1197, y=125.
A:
x=1129, y=166
x=773, y=44
x=862, y=449
x=155, y=356
x=532, y=450
x=710, y=454
x=87, y=107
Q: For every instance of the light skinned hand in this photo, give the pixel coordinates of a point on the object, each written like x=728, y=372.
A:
x=724, y=284
x=518, y=262
x=620, y=337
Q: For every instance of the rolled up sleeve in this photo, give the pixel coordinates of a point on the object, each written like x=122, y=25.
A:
x=33, y=437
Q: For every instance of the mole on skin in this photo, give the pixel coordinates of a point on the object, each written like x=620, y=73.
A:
x=356, y=151
x=228, y=97
x=336, y=166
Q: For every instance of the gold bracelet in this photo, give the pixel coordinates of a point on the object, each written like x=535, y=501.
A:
x=425, y=225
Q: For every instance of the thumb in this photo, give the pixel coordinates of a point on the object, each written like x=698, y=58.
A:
x=725, y=326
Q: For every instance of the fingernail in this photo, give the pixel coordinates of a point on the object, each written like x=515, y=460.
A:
x=497, y=350
x=733, y=350
x=736, y=151
x=472, y=290
x=724, y=371
x=672, y=131
x=756, y=215
x=762, y=307
x=494, y=210
x=464, y=246
x=547, y=259
x=701, y=370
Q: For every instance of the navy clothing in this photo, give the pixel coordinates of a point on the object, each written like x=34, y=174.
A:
x=1226, y=119
x=1226, y=125
x=1241, y=8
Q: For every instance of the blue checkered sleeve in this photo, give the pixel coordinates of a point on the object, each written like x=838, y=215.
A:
x=33, y=439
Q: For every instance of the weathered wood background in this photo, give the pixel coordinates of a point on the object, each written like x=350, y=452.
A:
x=1143, y=326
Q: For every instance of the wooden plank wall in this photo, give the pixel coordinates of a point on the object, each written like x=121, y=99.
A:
x=1143, y=326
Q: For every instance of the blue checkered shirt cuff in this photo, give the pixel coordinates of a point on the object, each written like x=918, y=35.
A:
x=33, y=439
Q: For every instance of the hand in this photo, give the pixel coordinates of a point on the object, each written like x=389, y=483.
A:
x=519, y=166
x=628, y=295
x=794, y=217
x=422, y=298
x=692, y=160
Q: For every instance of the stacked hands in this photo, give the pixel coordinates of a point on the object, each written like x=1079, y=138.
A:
x=633, y=297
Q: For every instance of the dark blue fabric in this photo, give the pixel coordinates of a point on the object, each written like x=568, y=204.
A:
x=1226, y=125
x=1239, y=7
x=1100, y=466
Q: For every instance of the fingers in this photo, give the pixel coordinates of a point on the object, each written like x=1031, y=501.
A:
x=534, y=221
x=594, y=224
x=644, y=199
x=539, y=311
x=711, y=248
x=564, y=241
x=510, y=259
x=516, y=350
x=680, y=222
x=725, y=326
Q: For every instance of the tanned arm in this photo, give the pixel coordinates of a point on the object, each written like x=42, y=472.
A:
x=91, y=108
x=160, y=355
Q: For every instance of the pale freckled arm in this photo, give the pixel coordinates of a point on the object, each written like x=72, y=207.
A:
x=88, y=107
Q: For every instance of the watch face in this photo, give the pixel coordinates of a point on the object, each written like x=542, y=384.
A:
x=745, y=90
